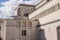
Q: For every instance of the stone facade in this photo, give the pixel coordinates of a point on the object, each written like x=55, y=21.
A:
x=20, y=27
x=49, y=19
x=40, y=22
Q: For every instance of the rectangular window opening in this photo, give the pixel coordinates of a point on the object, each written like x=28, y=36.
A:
x=29, y=24
x=23, y=32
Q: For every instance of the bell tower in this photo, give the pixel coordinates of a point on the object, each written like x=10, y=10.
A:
x=25, y=9
x=27, y=28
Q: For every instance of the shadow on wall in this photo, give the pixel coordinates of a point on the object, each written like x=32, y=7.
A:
x=0, y=38
x=42, y=34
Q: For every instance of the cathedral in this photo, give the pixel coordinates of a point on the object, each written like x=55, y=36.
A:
x=33, y=22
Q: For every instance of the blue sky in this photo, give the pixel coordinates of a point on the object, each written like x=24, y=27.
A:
x=7, y=6
x=2, y=1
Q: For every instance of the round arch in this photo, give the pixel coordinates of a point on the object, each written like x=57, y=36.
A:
x=0, y=38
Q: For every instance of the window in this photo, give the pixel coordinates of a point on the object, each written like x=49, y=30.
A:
x=23, y=32
x=26, y=15
x=29, y=24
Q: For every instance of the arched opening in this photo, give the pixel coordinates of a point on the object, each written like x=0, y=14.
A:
x=58, y=32
x=0, y=38
x=42, y=34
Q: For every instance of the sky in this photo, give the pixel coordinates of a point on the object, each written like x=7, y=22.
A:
x=7, y=6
